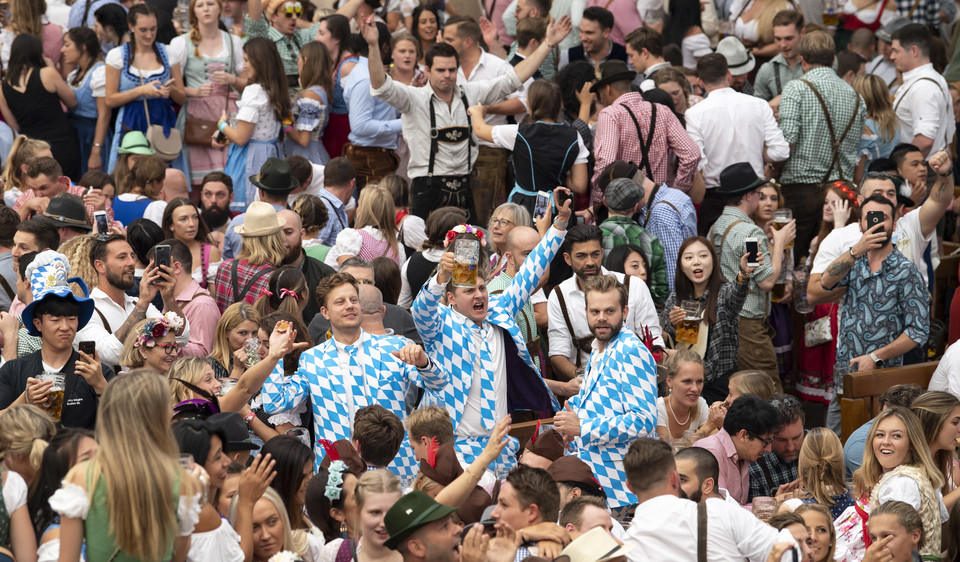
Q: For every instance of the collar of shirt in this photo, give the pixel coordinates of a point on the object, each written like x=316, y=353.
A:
x=460, y=318
x=822, y=73
x=99, y=297
x=483, y=62
x=779, y=59
x=892, y=261
x=570, y=285
x=331, y=198
x=728, y=91
x=734, y=213
x=190, y=291
x=728, y=447
x=918, y=72
x=342, y=347
x=650, y=69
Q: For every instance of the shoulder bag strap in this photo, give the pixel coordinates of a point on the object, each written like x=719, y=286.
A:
x=566, y=319
x=644, y=146
x=103, y=318
x=650, y=199
x=916, y=4
x=723, y=239
x=146, y=110
x=6, y=287
x=776, y=77
x=702, y=531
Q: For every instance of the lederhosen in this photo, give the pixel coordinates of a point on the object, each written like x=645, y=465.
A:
x=431, y=192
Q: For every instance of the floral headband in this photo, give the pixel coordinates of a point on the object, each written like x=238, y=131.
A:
x=156, y=328
x=846, y=192
x=462, y=229
x=334, y=485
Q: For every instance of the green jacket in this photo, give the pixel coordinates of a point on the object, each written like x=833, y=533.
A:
x=618, y=231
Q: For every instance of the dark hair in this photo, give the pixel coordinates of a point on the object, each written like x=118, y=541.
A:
x=54, y=305
x=218, y=177
x=179, y=253
x=44, y=165
x=319, y=505
x=545, y=101
x=789, y=17
x=86, y=41
x=143, y=235
x=645, y=38
x=440, y=50
x=647, y=463
x=900, y=395
x=43, y=231
x=580, y=234
x=291, y=361
x=789, y=408
x=26, y=54
x=24, y=263
x=379, y=433
x=193, y=437
x=536, y=486
x=58, y=458
x=914, y=34
x=571, y=80
x=572, y=513
x=338, y=172
x=283, y=279
x=600, y=15
x=290, y=455
x=684, y=14
x=848, y=61
x=203, y=231
x=113, y=16
x=784, y=519
x=97, y=179
x=705, y=464
x=135, y=12
x=467, y=28
x=877, y=198
x=712, y=68
x=9, y=219
x=417, y=12
x=99, y=249
x=439, y=222
x=543, y=7
x=683, y=286
x=300, y=167
x=618, y=256
x=386, y=275
x=899, y=152
x=264, y=59
x=753, y=414
x=339, y=28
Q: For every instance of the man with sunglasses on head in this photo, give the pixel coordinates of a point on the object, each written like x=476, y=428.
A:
x=776, y=472
x=912, y=231
x=278, y=23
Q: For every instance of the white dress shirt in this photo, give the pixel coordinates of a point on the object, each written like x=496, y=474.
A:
x=471, y=424
x=885, y=70
x=925, y=108
x=665, y=528
x=108, y=346
x=947, y=375
x=731, y=127
x=489, y=67
x=641, y=313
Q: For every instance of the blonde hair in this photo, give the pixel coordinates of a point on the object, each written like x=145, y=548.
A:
x=188, y=369
x=765, y=19
x=22, y=151
x=752, y=382
x=293, y=539
x=77, y=252
x=233, y=316
x=426, y=485
x=869, y=473
x=380, y=481
x=195, y=30
x=375, y=208
x=26, y=430
x=820, y=465
x=430, y=421
x=876, y=96
x=812, y=507
x=139, y=461
x=907, y=516
x=131, y=356
x=26, y=16
x=673, y=367
x=933, y=409
x=259, y=250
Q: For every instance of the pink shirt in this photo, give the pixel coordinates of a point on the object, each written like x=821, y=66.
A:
x=734, y=473
x=202, y=313
x=626, y=17
x=75, y=190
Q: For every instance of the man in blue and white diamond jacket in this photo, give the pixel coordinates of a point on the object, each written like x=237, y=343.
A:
x=477, y=341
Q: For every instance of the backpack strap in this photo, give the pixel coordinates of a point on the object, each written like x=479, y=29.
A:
x=239, y=295
x=644, y=145
x=833, y=136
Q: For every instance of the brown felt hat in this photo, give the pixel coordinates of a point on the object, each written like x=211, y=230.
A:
x=548, y=445
x=571, y=469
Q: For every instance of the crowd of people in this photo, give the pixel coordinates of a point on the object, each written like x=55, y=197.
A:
x=478, y=281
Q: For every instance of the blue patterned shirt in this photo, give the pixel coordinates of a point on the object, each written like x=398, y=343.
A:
x=672, y=220
x=880, y=306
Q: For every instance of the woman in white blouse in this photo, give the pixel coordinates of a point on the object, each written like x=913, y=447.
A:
x=375, y=230
x=134, y=483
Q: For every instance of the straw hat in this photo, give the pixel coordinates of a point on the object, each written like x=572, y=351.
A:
x=260, y=220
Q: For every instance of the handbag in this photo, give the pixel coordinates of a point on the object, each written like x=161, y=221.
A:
x=817, y=332
x=200, y=131
x=167, y=147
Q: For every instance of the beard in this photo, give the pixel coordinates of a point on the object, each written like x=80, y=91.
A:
x=614, y=331
x=695, y=497
x=118, y=281
x=292, y=255
x=215, y=217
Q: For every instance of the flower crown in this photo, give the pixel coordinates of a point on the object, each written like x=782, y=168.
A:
x=462, y=229
x=156, y=328
x=335, y=471
x=846, y=191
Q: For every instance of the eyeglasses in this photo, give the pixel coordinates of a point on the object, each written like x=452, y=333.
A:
x=169, y=348
x=500, y=222
x=292, y=10
x=766, y=441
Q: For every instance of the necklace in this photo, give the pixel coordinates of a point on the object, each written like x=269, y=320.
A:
x=670, y=406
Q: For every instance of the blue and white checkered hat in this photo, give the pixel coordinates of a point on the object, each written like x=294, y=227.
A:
x=48, y=274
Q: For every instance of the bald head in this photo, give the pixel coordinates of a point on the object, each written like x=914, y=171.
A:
x=371, y=300
x=175, y=185
x=519, y=243
x=291, y=218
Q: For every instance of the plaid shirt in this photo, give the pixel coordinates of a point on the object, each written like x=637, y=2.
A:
x=781, y=472
x=805, y=127
x=77, y=190
x=618, y=230
x=245, y=273
x=723, y=341
x=927, y=13
x=757, y=304
x=287, y=45
x=672, y=220
x=616, y=139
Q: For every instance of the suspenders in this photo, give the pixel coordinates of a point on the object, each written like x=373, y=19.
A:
x=450, y=135
x=645, y=146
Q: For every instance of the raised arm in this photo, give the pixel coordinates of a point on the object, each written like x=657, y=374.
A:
x=372, y=35
x=556, y=32
x=460, y=489
x=253, y=378
x=941, y=195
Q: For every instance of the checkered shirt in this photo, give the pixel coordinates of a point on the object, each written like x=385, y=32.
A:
x=927, y=12
x=804, y=126
x=616, y=405
x=321, y=377
x=449, y=342
x=757, y=304
x=618, y=231
x=616, y=139
x=673, y=219
x=245, y=272
x=781, y=472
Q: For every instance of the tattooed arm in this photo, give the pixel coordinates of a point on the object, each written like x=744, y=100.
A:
x=872, y=239
x=940, y=195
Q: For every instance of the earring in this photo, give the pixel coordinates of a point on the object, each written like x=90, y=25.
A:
x=343, y=527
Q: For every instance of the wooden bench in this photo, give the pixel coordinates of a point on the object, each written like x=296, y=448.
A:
x=861, y=392
x=523, y=430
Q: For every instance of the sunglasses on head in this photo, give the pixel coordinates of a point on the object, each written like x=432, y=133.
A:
x=292, y=9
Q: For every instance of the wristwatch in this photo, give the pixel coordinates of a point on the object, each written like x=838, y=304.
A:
x=873, y=357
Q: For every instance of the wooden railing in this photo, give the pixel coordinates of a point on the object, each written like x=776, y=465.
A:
x=861, y=392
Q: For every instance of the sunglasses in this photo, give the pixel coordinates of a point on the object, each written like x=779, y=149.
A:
x=292, y=10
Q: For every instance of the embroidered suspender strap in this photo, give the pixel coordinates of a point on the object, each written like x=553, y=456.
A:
x=702, y=532
x=645, y=146
x=103, y=318
x=776, y=77
x=833, y=136
x=435, y=134
x=578, y=343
